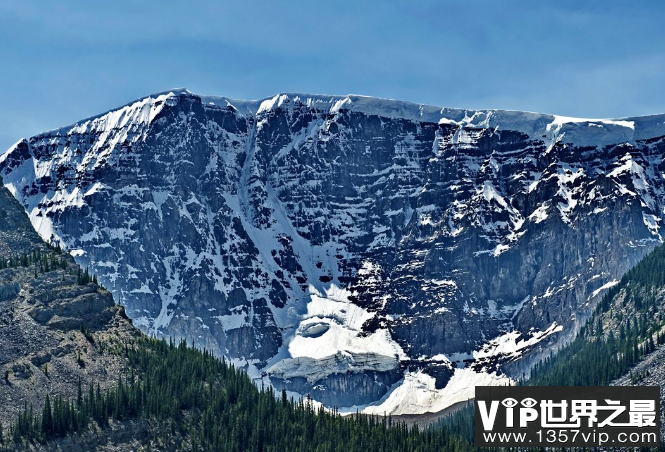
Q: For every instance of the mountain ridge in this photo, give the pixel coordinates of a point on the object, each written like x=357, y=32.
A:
x=252, y=106
x=77, y=376
x=335, y=251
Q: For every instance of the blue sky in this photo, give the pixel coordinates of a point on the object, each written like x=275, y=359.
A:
x=66, y=60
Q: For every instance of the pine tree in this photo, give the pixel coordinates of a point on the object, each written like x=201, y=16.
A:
x=47, y=418
x=226, y=411
x=79, y=395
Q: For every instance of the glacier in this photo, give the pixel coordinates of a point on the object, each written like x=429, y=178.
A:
x=376, y=254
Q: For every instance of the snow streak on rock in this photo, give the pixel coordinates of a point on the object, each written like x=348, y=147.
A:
x=372, y=253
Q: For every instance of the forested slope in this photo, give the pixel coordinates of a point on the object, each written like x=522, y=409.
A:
x=620, y=345
x=627, y=325
x=76, y=375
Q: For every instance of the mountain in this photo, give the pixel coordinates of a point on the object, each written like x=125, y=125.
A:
x=621, y=345
x=57, y=328
x=77, y=376
x=623, y=342
x=375, y=254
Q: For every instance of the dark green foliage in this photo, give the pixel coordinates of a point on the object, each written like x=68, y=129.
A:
x=83, y=278
x=219, y=408
x=462, y=422
x=47, y=418
x=43, y=261
x=88, y=335
x=596, y=357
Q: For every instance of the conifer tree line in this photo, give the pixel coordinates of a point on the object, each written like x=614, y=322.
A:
x=45, y=261
x=204, y=399
x=599, y=355
x=218, y=408
x=462, y=422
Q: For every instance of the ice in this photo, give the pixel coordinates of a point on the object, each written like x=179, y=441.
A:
x=602, y=288
x=444, y=282
x=322, y=327
x=490, y=193
x=337, y=338
x=561, y=120
x=500, y=248
x=233, y=321
x=592, y=132
x=652, y=222
x=557, y=128
x=143, y=289
x=416, y=393
x=344, y=321
x=512, y=344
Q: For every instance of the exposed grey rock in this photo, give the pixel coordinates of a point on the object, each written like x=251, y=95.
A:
x=222, y=221
x=41, y=314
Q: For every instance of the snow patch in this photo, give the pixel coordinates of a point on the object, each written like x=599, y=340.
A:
x=416, y=393
x=602, y=288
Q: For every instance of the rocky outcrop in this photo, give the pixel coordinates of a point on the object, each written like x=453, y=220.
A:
x=53, y=330
x=408, y=240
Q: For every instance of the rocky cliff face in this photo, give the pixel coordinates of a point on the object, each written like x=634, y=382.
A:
x=53, y=330
x=369, y=252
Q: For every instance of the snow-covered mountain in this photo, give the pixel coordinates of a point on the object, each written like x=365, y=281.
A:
x=372, y=253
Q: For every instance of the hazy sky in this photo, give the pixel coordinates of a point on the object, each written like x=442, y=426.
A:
x=66, y=60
